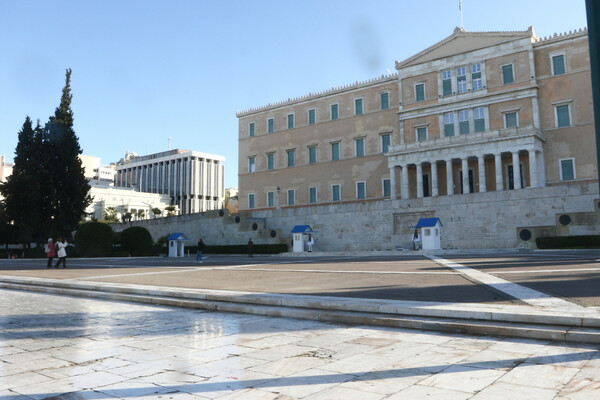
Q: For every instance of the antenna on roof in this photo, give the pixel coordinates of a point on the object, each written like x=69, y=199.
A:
x=461, y=16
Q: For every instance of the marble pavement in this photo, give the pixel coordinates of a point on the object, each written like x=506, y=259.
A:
x=60, y=347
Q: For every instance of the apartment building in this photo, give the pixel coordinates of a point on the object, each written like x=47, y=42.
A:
x=476, y=112
x=193, y=180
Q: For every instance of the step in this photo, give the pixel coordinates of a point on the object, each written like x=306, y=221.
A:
x=584, y=318
x=560, y=332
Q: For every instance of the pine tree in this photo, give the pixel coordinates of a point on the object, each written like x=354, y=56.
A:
x=22, y=189
x=68, y=197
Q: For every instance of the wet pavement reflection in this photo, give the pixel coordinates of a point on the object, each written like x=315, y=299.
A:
x=59, y=347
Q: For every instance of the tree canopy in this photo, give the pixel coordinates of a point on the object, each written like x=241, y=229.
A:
x=47, y=192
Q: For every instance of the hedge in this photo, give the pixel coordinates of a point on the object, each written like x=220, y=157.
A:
x=240, y=249
x=568, y=242
x=94, y=239
x=136, y=241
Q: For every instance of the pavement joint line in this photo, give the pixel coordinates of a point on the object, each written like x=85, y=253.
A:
x=547, y=270
x=179, y=270
x=515, y=290
x=173, y=271
x=324, y=271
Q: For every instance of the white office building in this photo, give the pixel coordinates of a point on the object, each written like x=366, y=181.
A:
x=194, y=181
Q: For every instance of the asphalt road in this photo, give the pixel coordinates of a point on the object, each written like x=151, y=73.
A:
x=571, y=275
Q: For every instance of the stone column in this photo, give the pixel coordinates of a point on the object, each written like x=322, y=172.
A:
x=533, y=178
x=402, y=139
x=516, y=170
x=465, y=175
x=419, y=180
x=481, y=167
x=393, y=182
x=404, y=183
x=449, y=178
x=434, y=180
x=498, y=162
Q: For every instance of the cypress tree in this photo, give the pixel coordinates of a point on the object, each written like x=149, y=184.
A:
x=68, y=188
x=21, y=190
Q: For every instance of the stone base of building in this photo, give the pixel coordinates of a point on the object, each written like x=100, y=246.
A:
x=504, y=219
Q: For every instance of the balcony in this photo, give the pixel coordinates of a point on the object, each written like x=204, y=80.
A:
x=518, y=134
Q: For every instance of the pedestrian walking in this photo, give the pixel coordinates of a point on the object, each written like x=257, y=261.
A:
x=50, y=251
x=201, y=247
x=62, y=253
x=310, y=242
x=250, y=247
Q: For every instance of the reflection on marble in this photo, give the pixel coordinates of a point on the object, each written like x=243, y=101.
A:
x=91, y=349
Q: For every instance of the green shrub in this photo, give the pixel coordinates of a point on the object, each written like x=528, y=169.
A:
x=93, y=239
x=136, y=241
x=162, y=241
x=240, y=249
x=568, y=242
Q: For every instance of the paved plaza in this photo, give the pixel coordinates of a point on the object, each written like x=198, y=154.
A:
x=62, y=347
x=573, y=276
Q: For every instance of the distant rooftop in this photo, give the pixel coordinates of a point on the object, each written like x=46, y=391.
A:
x=134, y=158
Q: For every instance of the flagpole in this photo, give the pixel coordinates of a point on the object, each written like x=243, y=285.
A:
x=461, y=15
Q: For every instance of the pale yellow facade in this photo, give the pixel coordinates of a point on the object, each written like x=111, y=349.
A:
x=481, y=102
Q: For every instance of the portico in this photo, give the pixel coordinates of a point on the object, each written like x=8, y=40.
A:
x=469, y=163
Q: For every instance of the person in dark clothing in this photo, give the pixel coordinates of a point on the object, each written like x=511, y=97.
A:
x=250, y=247
x=201, y=247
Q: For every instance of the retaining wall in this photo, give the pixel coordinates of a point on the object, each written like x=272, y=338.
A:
x=470, y=221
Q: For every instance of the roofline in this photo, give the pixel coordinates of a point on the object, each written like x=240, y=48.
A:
x=324, y=93
x=461, y=32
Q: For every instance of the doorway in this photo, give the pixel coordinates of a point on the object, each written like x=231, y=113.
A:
x=511, y=177
x=426, y=192
x=471, y=181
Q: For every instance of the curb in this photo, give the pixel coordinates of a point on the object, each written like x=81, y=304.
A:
x=479, y=319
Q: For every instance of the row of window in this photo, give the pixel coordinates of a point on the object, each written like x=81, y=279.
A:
x=475, y=121
x=311, y=114
x=463, y=121
x=465, y=78
x=566, y=167
x=335, y=194
x=334, y=152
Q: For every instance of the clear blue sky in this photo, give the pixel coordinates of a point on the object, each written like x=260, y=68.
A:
x=146, y=70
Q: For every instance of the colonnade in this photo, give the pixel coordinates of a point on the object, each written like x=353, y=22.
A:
x=535, y=161
x=194, y=184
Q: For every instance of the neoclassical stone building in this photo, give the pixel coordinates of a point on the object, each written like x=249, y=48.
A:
x=476, y=112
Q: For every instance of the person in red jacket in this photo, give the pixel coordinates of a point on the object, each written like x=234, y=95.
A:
x=50, y=250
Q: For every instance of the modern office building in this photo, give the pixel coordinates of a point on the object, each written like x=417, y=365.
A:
x=476, y=112
x=194, y=181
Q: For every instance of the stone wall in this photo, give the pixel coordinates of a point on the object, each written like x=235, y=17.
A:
x=470, y=221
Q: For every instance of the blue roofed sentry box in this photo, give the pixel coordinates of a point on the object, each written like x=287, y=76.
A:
x=428, y=222
x=177, y=236
x=302, y=229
